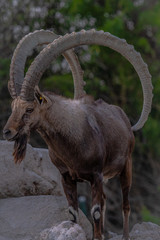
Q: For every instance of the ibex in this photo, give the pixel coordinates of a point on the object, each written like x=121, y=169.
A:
x=87, y=140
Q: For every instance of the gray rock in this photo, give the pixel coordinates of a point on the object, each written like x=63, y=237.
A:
x=24, y=218
x=36, y=175
x=143, y=231
x=43, y=217
x=66, y=230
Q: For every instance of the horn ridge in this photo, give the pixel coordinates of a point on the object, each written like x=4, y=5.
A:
x=92, y=37
x=24, y=49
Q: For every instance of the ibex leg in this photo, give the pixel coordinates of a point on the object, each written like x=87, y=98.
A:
x=126, y=180
x=70, y=189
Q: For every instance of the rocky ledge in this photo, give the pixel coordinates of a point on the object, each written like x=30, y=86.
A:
x=33, y=206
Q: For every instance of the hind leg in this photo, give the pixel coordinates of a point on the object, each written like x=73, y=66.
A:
x=106, y=233
x=126, y=181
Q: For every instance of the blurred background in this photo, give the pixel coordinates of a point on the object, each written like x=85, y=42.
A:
x=107, y=74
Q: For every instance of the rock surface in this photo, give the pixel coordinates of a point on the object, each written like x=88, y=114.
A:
x=36, y=175
x=143, y=231
x=64, y=231
x=27, y=215
x=24, y=218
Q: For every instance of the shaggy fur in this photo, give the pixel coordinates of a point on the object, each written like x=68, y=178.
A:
x=20, y=146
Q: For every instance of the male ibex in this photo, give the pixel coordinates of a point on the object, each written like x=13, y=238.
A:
x=87, y=140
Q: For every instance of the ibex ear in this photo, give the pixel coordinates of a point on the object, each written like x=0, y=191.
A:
x=40, y=97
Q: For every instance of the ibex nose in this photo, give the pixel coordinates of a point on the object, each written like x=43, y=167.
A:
x=6, y=132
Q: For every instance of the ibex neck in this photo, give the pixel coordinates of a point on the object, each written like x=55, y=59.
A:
x=65, y=118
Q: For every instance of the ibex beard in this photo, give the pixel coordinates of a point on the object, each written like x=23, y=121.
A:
x=20, y=146
x=19, y=126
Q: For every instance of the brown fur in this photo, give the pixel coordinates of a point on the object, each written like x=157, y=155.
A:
x=87, y=140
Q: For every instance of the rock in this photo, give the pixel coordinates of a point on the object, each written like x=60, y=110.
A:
x=24, y=218
x=143, y=231
x=43, y=217
x=36, y=175
x=66, y=230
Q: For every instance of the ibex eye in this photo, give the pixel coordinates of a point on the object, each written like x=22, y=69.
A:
x=29, y=110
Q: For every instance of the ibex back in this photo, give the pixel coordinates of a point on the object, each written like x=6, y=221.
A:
x=87, y=140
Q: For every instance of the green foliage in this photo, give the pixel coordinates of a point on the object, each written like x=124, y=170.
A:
x=115, y=25
x=144, y=44
x=60, y=84
x=149, y=16
x=151, y=133
x=148, y=217
x=86, y=10
x=4, y=70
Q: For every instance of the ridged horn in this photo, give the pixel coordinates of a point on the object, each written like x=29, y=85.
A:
x=62, y=44
x=24, y=49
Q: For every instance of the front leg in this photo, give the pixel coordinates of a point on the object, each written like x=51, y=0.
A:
x=98, y=202
x=69, y=185
x=70, y=189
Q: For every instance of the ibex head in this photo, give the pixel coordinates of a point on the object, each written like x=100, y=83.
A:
x=26, y=111
x=24, y=91
x=25, y=116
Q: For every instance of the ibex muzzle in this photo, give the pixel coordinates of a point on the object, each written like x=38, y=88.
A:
x=9, y=132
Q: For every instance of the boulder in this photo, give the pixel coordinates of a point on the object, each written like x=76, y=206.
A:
x=24, y=218
x=66, y=230
x=143, y=231
x=36, y=175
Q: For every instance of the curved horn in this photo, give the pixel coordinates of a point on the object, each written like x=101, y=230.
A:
x=91, y=37
x=24, y=49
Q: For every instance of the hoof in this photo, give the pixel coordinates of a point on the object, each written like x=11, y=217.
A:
x=99, y=239
x=126, y=238
x=109, y=235
x=102, y=238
